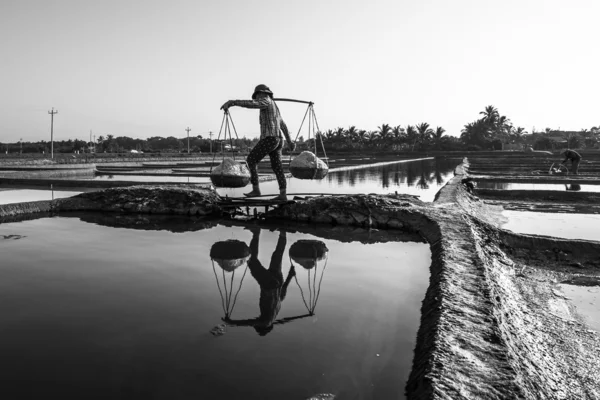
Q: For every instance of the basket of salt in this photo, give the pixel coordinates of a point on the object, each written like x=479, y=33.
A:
x=230, y=173
x=308, y=252
x=230, y=254
x=308, y=166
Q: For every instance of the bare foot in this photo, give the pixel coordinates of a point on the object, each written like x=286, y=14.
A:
x=254, y=193
x=281, y=197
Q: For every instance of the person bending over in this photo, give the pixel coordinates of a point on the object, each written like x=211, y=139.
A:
x=271, y=140
x=575, y=158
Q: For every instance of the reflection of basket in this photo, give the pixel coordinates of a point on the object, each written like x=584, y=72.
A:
x=230, y=254
x=230, y=181
x=308, y=173
x=308, y=252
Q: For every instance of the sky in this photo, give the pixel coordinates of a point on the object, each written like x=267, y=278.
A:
x=144, y=68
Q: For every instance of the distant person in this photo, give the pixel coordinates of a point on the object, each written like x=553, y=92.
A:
x=273, y=288
x=469, y=184
x=573, y=187
x=271, y=140
x=575, y=158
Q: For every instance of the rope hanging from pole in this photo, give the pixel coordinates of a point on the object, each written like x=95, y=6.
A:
x=226, y=299
x=228, y=174
x=314, y=290
x=225, y=123
x=315, y=134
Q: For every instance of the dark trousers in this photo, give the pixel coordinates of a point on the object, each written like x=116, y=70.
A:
x=272, y=146
x=575, y=166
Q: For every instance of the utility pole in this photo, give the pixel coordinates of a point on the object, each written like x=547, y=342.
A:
x=210, y=135
x=21, y=143
x=188, y=133
x=52, y=131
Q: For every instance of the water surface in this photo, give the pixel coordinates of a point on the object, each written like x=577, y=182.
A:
x=91, y=310
x=563, y=225
x=152, y=178
x=13, y=195
x=538, y=186
x=423, y=178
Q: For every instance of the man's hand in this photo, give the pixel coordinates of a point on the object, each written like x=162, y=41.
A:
x=291, y=146
x=227, y=104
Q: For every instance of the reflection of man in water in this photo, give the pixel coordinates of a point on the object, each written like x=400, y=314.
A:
x=272, y=287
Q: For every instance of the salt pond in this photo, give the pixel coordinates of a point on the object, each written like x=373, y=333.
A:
x=109, y=307
x=586, y=300
x=568, y=226
x=538, y=186
x=15, y=195
x=153, y=178
x=423, y=178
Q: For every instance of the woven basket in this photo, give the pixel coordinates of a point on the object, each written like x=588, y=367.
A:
x=230, y=254
x=308, y=173
x=308, y=252
x=229, y=181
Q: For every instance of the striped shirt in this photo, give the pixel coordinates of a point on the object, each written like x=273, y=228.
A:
x=269, y=118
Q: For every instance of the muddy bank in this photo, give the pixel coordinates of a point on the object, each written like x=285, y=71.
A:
x=165, y=200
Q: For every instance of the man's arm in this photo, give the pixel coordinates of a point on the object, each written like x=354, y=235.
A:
x=286, y=132
x=289, y=278
x=261, y=103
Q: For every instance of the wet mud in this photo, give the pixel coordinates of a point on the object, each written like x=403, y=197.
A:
x=495, y=323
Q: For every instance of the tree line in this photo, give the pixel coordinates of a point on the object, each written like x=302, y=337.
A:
x=492, y=131
x=420, y=137
x=496, y=131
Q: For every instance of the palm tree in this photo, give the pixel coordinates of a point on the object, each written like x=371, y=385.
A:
x=352, y=135
x=518, y=132
x=328, y=134
x=476, y=133
x=424, y=132
x=384, y=132
x=412, y=136
x=502, y=128
x=338, y=133
x=490, y=115
x=399, y=135
x=372, y=137
x=362, y=136
x=437, y=136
